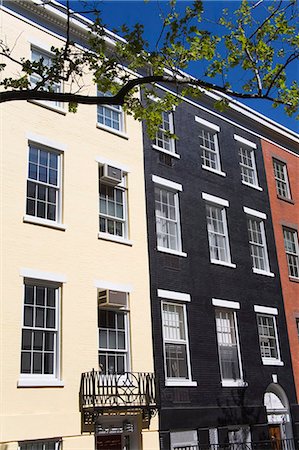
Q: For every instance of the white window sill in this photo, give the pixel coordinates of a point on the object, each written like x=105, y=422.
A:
x=179, y=382
x=175, y=155
x=217, y=172
x=112, y=238
x=272, y=362
x=48, y=105
x=234, y=383
x=40, y=382
x=223, y=263
x=258, y=188
x=296, y=279
x=263, y=272
x=112, y=130
x=171, y=252
x=44, y=222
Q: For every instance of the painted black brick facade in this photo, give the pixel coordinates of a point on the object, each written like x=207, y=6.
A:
x=209, y=405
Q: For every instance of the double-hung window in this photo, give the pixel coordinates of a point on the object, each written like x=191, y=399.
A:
x=228, y=343
x=217, y=229
x=163, y=141
x=110, y=116
x=297, y=327
x=247, y=161
x=257, y=241
x=44, y=183
x=268, y=336
x=292, y=251
x=113, y=341
x=168, y=216
x=176, y=347
x=40, y=330
x=38, y=55
x=52, y=444
x=281, y=179
x=113, y=216
x=209, y=146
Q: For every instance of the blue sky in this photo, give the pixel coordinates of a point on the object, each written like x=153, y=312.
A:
x=117, y=12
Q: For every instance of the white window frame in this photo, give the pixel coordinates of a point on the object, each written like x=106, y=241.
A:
x=125, y=220
x=163, y=137
x=31, y=445
x=249, y=147
x=126, y=350
x=57, y=87
x=31, y=379
x=230, y=307
x=283, y=181
x=264, y=311
x=173, y=188
x=185, y=440
x=112, y=109
x=289, y=254
x=259, y=217
x=221, y=204
x=212, y=130
x=173, y=381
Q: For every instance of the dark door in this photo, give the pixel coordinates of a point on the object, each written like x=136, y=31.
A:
x=275, y=436
x=109, y=442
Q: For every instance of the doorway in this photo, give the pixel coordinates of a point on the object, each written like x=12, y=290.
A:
x=109, y=442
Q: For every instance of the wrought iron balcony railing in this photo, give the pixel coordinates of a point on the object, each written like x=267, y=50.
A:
x=276, y=444
x=114, y=391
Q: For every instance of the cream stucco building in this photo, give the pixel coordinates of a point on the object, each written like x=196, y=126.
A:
x=75, y=283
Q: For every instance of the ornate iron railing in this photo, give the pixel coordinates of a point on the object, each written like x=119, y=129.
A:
x=276, y=444
x=114, y=391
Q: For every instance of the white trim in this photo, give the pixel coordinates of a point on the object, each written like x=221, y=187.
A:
x=265, y=310
x=102, y=284
x=177, y=382
x=234, y=383
x=44, y=222
x=272, y=362
x=109, y=162
x=225, y=303
x=263, y=272
x=111, y=130
x=173, y=295
x=39, y=382
x=207, y=124
x=214, y=199
x=48, y=104
x=40, y=275
x=210, y=169
x=244, y=141
x=171, y=252
x=112, y=238
x=223, y=263
x=160, y=149
x=255, y=213
x=258, y=188
x=36, y=138
x=168, y=183
x=41, y=45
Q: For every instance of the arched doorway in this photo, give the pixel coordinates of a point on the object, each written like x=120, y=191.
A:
x=278, y=414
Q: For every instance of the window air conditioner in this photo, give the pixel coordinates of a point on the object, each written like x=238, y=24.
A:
x=111, y=175
x=115, y=299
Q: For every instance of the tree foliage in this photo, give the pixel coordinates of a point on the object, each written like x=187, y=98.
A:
x=260, y=38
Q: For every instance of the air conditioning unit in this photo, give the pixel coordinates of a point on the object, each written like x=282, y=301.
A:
x=116, y=299
x=111, y=175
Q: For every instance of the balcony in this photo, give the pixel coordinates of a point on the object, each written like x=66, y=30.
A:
x=112, y=393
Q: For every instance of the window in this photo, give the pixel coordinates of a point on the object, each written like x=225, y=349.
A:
x=228, y=345
x=113, y=207
x=184, y=440
x=257, y=241
x=163, y=141
x=167, y=218
x=297, y=326
x=281, y=179
x=247, y=165
x=217, y=230
x=292, y=251
x=38, y=55
x=113, y=341
x=43, y=184
x=268, y=338
x=111, y=116
x=39, y=351
x=209, y=149
x=40, y=445
x=176, y=352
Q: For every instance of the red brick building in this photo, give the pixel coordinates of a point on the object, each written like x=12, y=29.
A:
x=282, y=171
